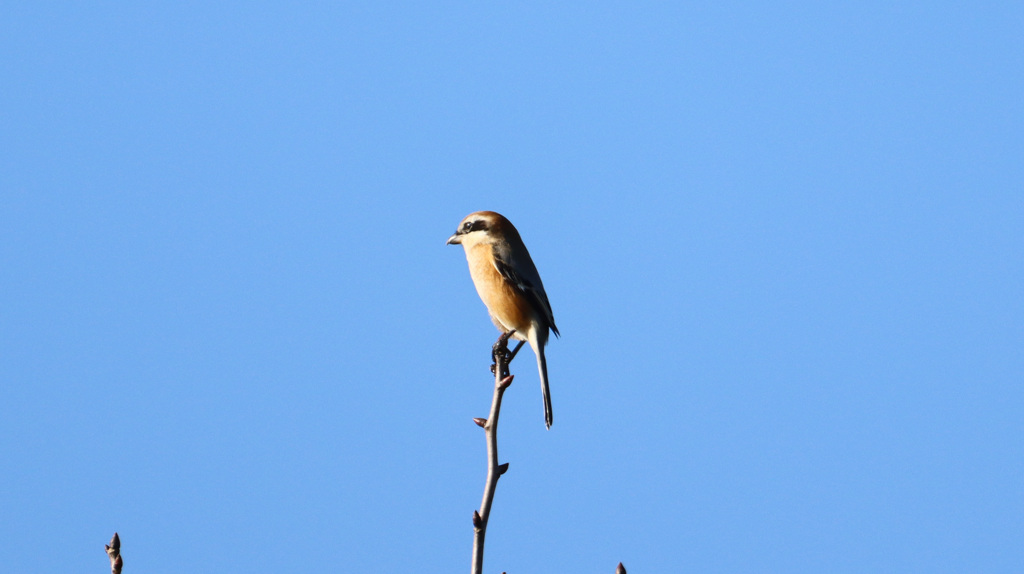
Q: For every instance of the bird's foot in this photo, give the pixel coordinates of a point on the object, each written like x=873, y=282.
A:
x=500, y=352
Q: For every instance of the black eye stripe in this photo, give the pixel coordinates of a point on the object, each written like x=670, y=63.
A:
x=471, y=226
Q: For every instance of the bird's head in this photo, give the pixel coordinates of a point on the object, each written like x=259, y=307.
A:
x=479, y=227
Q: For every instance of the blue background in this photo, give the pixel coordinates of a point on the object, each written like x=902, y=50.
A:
x=782, y=241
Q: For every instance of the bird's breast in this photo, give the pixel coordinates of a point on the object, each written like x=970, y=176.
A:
x=508, y=307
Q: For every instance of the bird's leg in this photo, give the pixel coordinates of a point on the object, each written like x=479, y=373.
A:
x=503, y=340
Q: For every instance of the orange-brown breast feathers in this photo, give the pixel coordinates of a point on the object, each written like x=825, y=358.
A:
x=508, y=307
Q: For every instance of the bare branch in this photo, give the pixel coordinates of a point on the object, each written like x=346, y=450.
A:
x=114, y=553
x=502, y=379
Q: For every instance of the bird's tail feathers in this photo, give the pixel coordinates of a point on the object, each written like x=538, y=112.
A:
x=542, y=367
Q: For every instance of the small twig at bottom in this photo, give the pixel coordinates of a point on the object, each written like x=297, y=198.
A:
x=502, y=379
x=114, y=553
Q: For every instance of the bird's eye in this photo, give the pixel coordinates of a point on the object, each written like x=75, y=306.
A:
x=467, y=226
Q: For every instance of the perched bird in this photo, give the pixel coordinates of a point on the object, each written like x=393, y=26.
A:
x=508, y=282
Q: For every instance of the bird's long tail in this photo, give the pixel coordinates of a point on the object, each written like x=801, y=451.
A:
x=542, y=366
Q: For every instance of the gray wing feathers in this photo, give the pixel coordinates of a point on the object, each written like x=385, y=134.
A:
x=523, y=274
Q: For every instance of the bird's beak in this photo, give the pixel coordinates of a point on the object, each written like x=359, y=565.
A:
x=453, y=240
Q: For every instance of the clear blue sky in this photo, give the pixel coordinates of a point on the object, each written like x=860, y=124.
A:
x=782, y=241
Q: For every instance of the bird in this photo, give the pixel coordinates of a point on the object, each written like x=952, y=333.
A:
x=508, y=283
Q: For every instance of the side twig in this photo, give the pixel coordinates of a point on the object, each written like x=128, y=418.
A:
x=502, y=379
x=114, y=553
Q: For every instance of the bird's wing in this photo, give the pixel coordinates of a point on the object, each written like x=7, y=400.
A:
x=522, y=274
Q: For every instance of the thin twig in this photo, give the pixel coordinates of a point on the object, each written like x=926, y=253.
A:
x=502, y=379
x=114, y=553
x=512, y=355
